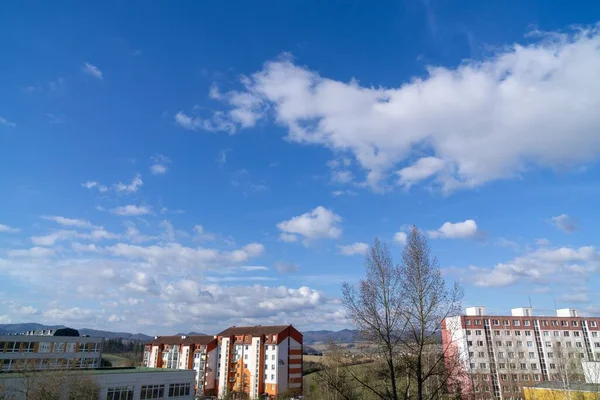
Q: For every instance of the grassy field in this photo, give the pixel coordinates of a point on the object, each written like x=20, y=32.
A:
x=312, y=358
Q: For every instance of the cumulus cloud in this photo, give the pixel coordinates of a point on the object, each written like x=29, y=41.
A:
x=134, y=186
x=457, y=230
x=92, y=70
x=565, y=223
x=316, y=224
x=131, y=210
x=400, y=237
x=159, y=164
x=7, y=229
x=480, y=121
x=542, y=265
x=96, y=185
x=354, y=249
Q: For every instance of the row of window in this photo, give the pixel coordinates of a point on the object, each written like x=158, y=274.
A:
x=519, y=343
x=478, y=332
x=148, y=391
x=516, y=322
x=54, y=363
x=533, y=366
x=48, y=347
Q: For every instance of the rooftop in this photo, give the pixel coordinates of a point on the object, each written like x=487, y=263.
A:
x=103, y=371
x=185, y=340
x=258, y=330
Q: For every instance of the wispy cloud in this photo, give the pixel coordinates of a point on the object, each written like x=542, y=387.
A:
x=159, y=164
x=131, y=210
x=94, y=184
x=132, y=187
x=5, y=122
x=92, y=70
x=7, y=229
x=565, y=223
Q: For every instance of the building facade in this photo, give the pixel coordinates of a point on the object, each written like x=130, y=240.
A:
x=113, y=383
x=260, y=361
x=56, y=349
x=198, y=353
x=498, y=355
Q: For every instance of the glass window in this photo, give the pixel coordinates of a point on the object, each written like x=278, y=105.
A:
x=179, y=389
x=120, y=393
x=152, y=392
x=44, y=347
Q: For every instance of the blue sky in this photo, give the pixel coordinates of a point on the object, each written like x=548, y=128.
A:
x=188, y=166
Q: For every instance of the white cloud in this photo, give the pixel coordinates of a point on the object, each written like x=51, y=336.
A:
x=217, y=123
x=253, y=268
x=287, y=237
x=74, y=314
x=34, y=252
x=54, y=237
x=341, y=176
x=5, y=122
x=94, y=184
x=400, y=237
x=575, y=298
x=113, y=318
x=316, y=224
x=92, y=70
x=7, y=229
x=424, y=168
x=484, y=119
x=354, y=249
x=84, y=248
x=131, y=210
x=565, y=223
x=338, y=193
x=159, y=166
x=542, y=265
x=458, y=230
x=542, y=242
x=133, y=187
x=70, y=222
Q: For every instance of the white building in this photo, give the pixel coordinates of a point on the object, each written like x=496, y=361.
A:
x=118, y=383
x=58, y=349
x=500, y=354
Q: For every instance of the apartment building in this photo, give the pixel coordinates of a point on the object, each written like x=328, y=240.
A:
x=498, y=355
x=49, y=349
x=198, y=353
x=260, y=360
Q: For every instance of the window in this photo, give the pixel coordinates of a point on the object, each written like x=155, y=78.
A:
x=523, y=366
x=479, y=343
x=533, y=366
x=496, y=322
x=272, y=366
x=478, y=332
x=521, y=354
x=554, y=323
x=526, y=323
x=506, y=322
x=501, y=354
x=519, y=343
x=44, y=347
x=529, y=344
x=273, y=357
x=594, y=334
x=509, y=343
x=531, y=354
x=517, y=323
x=477, y=322
x=472, y=365
x=272, y=376
x=471, y=354
x=507, y=333
x=469, y=343
x=512, y=365
x=596, y=344
x=593, y=324
x=179, y=389
x=81, y=348
x=548, y=344
x=569, y=344
x=576, y=334
x=70, y=347
x=468, y=322
x=536, y=377
x=246, y=347
x=544, y=323
x=573, y=323
x=497, y=333
x=556, y=333
x=546, y=333
x=504, y=377
x=525, y=377
x=152, y=392
x=502, y=366
x=564, y=323
x=468, y=332
x=481, y=354
x=550, y=355
x=527, y=333
x=511, y=354
x=552, y=366
x=578, y=344
x=120, y=393
x=245, y=356
x=8, y=365
x=517, y=333
x=482, y=365
x=498, y=343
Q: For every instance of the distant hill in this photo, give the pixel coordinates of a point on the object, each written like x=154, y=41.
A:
x=343, y=336
x=310, y=337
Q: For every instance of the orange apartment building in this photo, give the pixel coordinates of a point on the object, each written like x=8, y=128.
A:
x=198, y=353
x=261, y=361
x=499, y=355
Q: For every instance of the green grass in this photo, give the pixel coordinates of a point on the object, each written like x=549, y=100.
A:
x=117, y=360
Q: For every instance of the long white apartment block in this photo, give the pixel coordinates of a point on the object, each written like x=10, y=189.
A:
x=499, y=354
x=49, y=349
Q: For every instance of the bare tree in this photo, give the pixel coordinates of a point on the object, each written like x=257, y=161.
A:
x=399, y=310
x=336, y=380
x=377, y=308
x=429, y=302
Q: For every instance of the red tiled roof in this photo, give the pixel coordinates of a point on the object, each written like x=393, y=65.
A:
x=253, y=330
x=188, y=340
